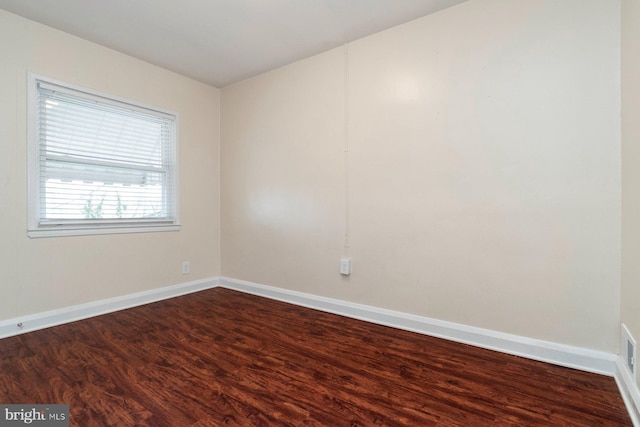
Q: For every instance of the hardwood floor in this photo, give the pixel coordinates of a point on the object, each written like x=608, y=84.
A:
x=220, y=357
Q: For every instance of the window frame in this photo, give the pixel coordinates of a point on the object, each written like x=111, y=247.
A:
x=89, y=227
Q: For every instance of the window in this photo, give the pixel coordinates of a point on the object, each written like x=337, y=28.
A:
x=97, y=164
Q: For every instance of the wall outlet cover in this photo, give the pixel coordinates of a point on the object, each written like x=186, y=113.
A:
x=345, y=266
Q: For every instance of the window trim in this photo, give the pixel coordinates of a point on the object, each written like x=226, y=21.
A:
x=79, y=227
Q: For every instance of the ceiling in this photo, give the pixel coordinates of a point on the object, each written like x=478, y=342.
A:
x=222, y=41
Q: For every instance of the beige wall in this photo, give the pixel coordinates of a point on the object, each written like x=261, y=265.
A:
x=283, y=174
x=49, y=273
x=483, y=170
x=631, y=166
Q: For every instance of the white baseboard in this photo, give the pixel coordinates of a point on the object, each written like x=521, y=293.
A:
x=545, y=351
x=47, y=319
x=629, y=391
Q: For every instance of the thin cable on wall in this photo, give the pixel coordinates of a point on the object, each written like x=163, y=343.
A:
x=346, y=151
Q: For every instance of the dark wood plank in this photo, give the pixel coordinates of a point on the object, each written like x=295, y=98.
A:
x=220, y=357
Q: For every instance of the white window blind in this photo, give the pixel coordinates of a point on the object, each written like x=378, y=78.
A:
x=101, y=162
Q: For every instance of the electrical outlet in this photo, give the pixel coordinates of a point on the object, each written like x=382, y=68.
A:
x=629, y=350
x=186, y=267
x=345, y=266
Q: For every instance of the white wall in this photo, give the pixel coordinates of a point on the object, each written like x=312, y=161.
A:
x=631, y=167
x=483, y=170
x=37, y=275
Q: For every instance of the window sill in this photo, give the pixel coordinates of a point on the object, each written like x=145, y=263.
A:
x=78, y=231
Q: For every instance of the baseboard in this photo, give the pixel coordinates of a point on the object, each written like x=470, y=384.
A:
x=545, y=351
x=47, y=319
x=629, y=391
